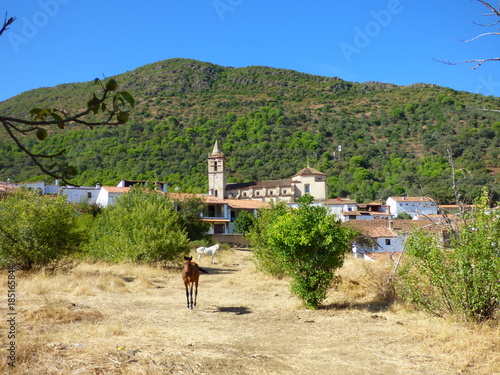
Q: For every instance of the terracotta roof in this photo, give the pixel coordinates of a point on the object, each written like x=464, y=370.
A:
x=308, y=171
x=371, y=228
x=115, y=189
x=246, y=204
x=351, y=213
x=338, y=201
x=409, y=225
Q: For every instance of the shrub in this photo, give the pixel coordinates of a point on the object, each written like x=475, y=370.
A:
x=259, y=239
x=244, y=222
x=143, y=226
x=308, y=245
x=459, y=276
x=36, y=231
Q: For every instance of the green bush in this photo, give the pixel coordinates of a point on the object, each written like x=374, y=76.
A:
x=308, y=245
x=460, y=276
x=244, y=222
x=36, y=231
x=143, y=226
x=258, y=235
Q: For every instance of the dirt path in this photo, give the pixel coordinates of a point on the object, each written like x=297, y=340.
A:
x=245, y=323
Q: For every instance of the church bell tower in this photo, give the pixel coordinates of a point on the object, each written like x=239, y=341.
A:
x=217, y=172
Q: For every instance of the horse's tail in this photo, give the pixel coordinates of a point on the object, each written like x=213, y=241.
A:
x=202, y=270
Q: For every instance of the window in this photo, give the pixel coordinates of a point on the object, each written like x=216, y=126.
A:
x=284, y=191
x=271, y=192
x=215, y=166
x=244, y=194
x=257, y=193
x=308, y=188
x=387, y=242
x=89, y=195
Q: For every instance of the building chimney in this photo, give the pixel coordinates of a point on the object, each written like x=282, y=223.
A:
x=391, y=225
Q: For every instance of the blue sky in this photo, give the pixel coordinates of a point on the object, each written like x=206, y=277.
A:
x=393, y=41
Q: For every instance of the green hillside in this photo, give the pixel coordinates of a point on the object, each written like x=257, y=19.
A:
x=271, y=123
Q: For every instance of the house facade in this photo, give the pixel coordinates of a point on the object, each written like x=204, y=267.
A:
x=80, y=194
x=414, y=206
x=307, y=181
x=384, y=236
x=344, y=208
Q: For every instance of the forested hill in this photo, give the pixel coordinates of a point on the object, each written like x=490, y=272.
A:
x=271, y=123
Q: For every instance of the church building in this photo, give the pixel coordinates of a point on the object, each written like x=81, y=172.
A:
x=307, y=181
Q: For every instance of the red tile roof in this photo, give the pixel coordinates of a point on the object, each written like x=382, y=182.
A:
x=308, y=171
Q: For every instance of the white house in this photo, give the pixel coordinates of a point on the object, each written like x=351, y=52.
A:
x=414, y=206
x=109, y=195
x=220, y=213
x=344, y=208
x=80, y=194
x=383, y=236
x=374, y=210
x=42, y=187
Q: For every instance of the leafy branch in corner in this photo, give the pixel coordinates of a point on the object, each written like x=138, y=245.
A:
x=114, y=104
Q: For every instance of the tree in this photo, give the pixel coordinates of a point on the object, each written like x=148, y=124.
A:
x=309, y=245
x=142, y=226
x=109, y=107
x=36, y=231
x=190, y=211
x=258, y=236
x=458, y=276
x=244, y=222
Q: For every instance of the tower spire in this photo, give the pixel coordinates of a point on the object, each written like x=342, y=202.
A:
x=216, y=149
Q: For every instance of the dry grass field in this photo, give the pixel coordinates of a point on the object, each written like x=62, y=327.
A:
x=127, y=319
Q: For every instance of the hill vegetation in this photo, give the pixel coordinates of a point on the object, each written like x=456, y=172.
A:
x=271, y=123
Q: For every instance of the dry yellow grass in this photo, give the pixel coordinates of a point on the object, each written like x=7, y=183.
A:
x=129, y=319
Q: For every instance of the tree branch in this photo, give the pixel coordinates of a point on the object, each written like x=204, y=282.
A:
x=6, y=23
x=40, y=118
x=114, y=116
x=478, y=62
x=495, y=11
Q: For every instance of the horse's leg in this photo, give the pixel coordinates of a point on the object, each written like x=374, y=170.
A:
x=199, y=257
x=191, y=295
x=187, y=295
x=195, y=292
x=213, y=258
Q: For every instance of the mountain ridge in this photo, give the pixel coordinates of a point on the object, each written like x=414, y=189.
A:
x=271, y=122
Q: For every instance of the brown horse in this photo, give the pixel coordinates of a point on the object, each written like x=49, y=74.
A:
x=190, y=276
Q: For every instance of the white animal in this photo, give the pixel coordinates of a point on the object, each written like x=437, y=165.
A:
x=207, y=251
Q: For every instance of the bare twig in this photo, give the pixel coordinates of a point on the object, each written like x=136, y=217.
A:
x=478, y=62
x=6, y=23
